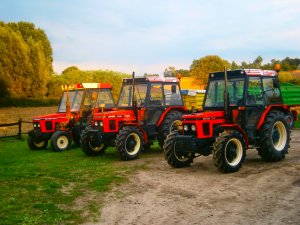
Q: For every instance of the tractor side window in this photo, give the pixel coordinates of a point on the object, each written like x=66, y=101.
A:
x=156, y=95
x=172, y=95
x=125, y=99
x=215, y=94
x=105, y=97
x=236, y=91
x=254, y=94
x=271, y=93
x=75, y=98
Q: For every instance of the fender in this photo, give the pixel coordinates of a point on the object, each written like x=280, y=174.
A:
x=238, y=128
x=139, y=127
x=178, y=108
x=267, y=110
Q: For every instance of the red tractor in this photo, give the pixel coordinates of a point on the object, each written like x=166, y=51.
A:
x=147, y=109
x=242, y=109
x=74, y=113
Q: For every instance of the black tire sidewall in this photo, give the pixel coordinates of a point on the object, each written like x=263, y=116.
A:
x=55, y=136
x=121, y=142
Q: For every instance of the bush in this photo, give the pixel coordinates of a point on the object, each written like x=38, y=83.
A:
x=28, y=102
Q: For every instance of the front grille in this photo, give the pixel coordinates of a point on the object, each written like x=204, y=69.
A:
x=49, y=125
x=112, y=124
x=205, y=127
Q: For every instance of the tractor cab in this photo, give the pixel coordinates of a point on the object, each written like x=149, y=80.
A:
x=153, y=96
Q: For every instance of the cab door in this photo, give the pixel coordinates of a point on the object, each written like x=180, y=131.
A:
x=155, y=107
x=255, y=106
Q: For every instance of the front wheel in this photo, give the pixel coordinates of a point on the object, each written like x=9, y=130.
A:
x=36, y=142
x=174, y=158
x=229, y=151
x=130, y=143
x=91, y=146
x=61, y=141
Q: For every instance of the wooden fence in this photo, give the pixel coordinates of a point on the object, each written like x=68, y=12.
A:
x=16, y=124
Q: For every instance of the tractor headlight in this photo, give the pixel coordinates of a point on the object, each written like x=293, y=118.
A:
x=193, y=127
x=96, y=123
x=34, y=125
x=185, y=127
x=38, y=125
x=101, y=124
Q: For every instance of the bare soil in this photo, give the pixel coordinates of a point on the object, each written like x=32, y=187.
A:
x=260, y=193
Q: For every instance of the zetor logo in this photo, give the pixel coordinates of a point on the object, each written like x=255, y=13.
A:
x=209, y=118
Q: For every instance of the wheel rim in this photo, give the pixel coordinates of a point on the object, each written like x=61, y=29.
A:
x=62, y=142
x=39, y=144
x=176, y=125
x=95, y=147
x=181, y=157
x=233, y=152
x=279, y=136
x=132, y=144
x=289, y=119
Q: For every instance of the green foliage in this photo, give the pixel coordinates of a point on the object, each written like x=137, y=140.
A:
x=200, y=68
x=25, y=59
x=43, y=187
x=28, y=102
x=73, y=75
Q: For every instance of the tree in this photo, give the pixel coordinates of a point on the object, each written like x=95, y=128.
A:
x=200, y=68
x=170, y=72
x=234, y=65
x=70, y=69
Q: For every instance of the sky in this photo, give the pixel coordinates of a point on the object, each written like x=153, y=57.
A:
x=147, y=36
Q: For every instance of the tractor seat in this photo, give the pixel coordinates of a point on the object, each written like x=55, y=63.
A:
x=251, y=100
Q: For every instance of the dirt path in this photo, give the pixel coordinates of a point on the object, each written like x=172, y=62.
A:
x=260, y=193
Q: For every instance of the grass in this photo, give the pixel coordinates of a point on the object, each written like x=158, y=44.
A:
x=44, y=187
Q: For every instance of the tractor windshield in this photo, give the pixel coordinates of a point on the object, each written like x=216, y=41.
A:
x=125, y=99
x=215, y=92
x=105, y=99
x=75, y=98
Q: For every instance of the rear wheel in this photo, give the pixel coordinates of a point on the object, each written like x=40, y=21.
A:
x=61, y=141
x=171, y=122
x=176, y=159
x=35, y=142
x=290, y=119
x=229, y=151
x=91, y=146
x=274, y=137
x=130, y=143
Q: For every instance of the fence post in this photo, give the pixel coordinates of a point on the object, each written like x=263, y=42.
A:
x=20, y=128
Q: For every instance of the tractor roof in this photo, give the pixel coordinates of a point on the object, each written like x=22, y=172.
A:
x=152, y=79
x=89, y=85
x=247, y=72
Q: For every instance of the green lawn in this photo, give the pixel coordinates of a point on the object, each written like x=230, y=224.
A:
x=44, y=187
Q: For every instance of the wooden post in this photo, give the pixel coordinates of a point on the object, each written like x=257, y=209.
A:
x=20, y=128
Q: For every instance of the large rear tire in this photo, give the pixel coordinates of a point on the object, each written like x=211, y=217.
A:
x=274, y=137
x=229, y=151
x=130, y=143
x=91, y=146
x=61, y=141
x=176, y=159
x=36, y=143
x=171, y=122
